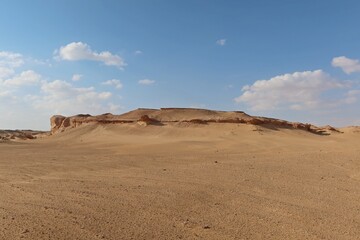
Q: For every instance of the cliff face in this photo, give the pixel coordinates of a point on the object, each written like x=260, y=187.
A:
x=179, y=115
x=60, y=123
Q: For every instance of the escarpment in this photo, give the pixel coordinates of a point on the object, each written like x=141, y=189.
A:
x=165, y=116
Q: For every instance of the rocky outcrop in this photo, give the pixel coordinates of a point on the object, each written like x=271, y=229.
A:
x=60, y=123
x=254, y=121
x=146, y=120
x=56, y=122
x=8, y=135
x=163, y=116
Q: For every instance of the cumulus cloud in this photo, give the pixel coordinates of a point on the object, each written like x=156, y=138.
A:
x=76, y=51
x=10, y=59
x=76, y=77
x=113, y=82
x=114, y=107
x=221, y=42
x=297, y=91
x=30, y=107
x=8, y=62
x=25, y=78
x=62, y=97
x=62, y=89
x=6, y=72
x=352, y=96
x=146, y=82
x=348, y=65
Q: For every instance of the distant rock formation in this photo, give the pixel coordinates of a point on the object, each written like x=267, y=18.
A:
x=178, y=115
x=8, y=135
x=60, y=123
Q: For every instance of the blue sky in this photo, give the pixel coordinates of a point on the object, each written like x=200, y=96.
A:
x=296, y=60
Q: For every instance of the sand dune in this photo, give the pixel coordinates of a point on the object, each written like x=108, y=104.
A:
x=181, y=180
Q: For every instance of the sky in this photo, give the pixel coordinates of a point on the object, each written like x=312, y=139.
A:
x=287, y=59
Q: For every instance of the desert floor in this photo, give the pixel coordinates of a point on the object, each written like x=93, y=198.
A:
x=181, y=181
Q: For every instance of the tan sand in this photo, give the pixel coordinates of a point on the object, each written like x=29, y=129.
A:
x=181, y=181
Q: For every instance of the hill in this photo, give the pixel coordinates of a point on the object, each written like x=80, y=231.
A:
x=166, y=116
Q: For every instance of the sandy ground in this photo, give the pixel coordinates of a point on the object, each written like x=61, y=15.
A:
x=181, y=181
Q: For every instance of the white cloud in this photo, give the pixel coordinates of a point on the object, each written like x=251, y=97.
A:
x=221, y=42
x=6, y=72
x=146, y=82
x=104, y=95
x=113, y=82
x=299, y=90
x=138, y=52
x=229, y=86
x=114, y=107
x=352, y=96
x=10, y=59
x=61, y=97
x=76, y=51
x=60, y=89
x=346, y=64
x=25, y=78
x=8, y=62
x=201, y=105
x=76, y=77
x=30, y=107
x=5, y=94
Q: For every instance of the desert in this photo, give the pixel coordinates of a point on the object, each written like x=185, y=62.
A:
x=162, y=120
x=178, y=173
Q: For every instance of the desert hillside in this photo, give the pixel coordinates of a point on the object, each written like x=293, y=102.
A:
x=165, y=116
x=181, y=174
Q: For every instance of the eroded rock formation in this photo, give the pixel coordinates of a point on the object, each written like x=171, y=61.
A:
x=178, y=115
x=7, y=135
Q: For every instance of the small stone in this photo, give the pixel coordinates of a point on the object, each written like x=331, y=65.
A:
x=216, y=162
x=206, y=227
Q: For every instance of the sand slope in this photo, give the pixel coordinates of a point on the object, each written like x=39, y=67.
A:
x=181, y=181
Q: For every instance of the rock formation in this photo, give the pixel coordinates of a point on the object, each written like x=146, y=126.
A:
x=7, y=135
x=179, y=115
x=146, y=120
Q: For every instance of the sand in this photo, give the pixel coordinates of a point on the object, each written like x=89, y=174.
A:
x=181, y=181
